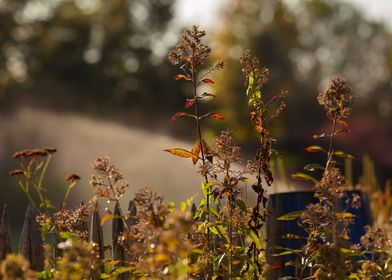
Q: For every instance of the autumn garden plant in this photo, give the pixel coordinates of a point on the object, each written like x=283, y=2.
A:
x=221, y=237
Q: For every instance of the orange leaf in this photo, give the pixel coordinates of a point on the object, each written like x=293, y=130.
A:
x=179, y=76
x=217, y=116
x=106, y=218
x=314, y=149
x=196, y=151
x=343, y=123
x=181, y=153
x=207, y=81
x=189, y=103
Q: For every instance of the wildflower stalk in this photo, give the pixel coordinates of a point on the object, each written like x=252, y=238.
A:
x=200, y=138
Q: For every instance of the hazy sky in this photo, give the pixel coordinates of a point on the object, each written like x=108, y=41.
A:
x=204, y=12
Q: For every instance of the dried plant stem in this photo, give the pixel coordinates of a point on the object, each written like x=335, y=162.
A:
x=200, y=138
x=335, y=238
x=117, y=200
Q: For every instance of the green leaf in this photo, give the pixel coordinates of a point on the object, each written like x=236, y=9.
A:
x=241, y=204
x=304, y=177
x=313, y=167
x=290, y=216
x=285, y=253
x=343, y=155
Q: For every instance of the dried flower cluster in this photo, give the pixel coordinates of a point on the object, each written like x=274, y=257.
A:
x=337, y=99
x=331, y=185
x=109, y=182
x=31, y=153
x=152, y=210
x=251, y=69
x=375, y=240
x=190, y=48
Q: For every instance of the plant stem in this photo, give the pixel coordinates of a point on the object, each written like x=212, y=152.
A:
x=200, y=138
x=329, y=158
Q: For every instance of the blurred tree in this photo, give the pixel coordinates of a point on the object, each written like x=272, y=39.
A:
x=303, y=44
x=95, y=55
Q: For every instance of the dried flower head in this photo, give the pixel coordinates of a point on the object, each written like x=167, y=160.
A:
x=316, y=216
x=331, y=185
x=376, y=239
x=225, y=148
x=152, y=210
x=72, y=177
x=109, y=182
x=190, y=48
x=72, y=220
x=337, y=98
x=16, y=172
x=251, y=67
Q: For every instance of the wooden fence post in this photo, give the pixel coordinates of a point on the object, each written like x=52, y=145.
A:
x=30, y=242
x=5, y=235
x=118, y=251
x=96, y=236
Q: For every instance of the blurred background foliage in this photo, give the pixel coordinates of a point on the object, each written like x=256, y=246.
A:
x=107, y=59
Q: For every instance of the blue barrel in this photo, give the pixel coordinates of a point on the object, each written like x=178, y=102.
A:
x=283, y=203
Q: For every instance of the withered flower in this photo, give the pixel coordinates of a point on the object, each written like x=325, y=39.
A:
x=337, y=99
x=316, y=216
x=331, y=185
x=251, y=66
x=72, y=177
x=190, y=48
x=109, y=182
x=376, y=239
x=16, y=172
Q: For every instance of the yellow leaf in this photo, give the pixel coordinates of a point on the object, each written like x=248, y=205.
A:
x=106, y=218
x=181, y=153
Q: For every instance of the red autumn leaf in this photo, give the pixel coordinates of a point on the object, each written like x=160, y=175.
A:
x=196, y=151
x=217, y=116
x=181, y=114
x=181, y=152
x=207, y=81
x=189, y=103
x=314, y=149
x=179, y=76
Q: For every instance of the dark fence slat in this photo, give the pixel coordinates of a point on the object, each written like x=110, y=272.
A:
x=5, y=234
x=96, y=236
x=132, y=213
x=117, y=230
x=30, y=242
x=118, y=251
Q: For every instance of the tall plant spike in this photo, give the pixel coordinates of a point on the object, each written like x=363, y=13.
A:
x=5, y=235
x=30, y=242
